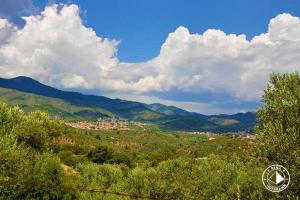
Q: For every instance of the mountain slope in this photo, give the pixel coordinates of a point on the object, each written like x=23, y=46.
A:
x=178, y=119
x=31, y=95
x=167, y=110
x=57, y=107
x=121, y=108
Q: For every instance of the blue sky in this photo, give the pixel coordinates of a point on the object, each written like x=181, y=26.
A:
x=205, y=56
x=143, y=25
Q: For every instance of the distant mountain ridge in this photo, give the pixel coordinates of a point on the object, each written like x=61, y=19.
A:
x=92, y=107
x=120, y=107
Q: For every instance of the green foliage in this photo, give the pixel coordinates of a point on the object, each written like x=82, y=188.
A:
x=155, y=157
x=46, y=173
x=214, y=178
x=100, y=154
x=70, y=159
x=31, y=173
x=103, y=154
x=278, y=135
x=120, y=157
x=13, y=162
x=36, y=129
x=48, y=160
x=9, y=117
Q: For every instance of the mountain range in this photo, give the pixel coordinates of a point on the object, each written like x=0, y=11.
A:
x=30, y=95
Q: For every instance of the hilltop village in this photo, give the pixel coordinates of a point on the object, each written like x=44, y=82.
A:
x=106, y=124
x=124, y=124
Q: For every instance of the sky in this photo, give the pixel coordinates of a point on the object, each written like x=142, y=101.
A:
x=205, y=56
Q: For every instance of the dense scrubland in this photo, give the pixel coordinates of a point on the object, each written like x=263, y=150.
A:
x=42, y=158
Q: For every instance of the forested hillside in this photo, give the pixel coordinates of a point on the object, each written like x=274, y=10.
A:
x=43, y=158
x=30, y=95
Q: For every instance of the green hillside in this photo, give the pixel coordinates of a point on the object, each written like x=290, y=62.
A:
x=223, y=122
x=41, y=158
x=166, y=117
x=31, y=95
x=62, y=108
x=56, y=107
x=121, y=108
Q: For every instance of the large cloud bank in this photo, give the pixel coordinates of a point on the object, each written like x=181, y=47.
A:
x=56, y=48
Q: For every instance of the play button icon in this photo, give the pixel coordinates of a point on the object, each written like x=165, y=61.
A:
x=276, y=178
x=279, y=178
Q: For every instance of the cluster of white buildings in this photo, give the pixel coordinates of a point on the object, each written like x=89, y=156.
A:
x=105, y=124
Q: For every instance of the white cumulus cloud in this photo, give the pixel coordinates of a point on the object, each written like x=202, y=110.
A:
x=185, y=61
x=56, y=48
x=6, y=30
x=219, y=62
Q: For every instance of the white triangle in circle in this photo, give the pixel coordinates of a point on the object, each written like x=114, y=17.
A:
x=279, y=178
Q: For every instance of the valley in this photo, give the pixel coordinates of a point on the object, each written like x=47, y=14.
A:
x=31, y=95
x=48, y=149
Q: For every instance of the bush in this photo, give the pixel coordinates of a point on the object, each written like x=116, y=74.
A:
x=155, y=157
x=36, y=129
x=122, y=158
x=9, y=118
x=100, y=154
x=70, y=159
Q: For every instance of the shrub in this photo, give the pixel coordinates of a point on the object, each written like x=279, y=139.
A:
x=36, y=129
x=100, y=154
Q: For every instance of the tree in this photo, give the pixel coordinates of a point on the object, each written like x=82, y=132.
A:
x=9, y=118
x=278, y=132
x=100, y=154
x=36, y=129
